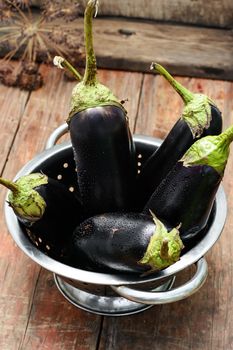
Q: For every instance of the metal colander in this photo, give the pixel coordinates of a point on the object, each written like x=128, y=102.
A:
x=99, y=292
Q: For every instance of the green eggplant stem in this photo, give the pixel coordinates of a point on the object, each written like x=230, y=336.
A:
x=228, y=134
x=91, y=67
x=63, y=63
x=72, y=70
x=9, y=184
x=186, y=95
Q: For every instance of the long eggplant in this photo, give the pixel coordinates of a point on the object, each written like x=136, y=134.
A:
x=131, y=243
x=200, y=117
x=187, y=193
x=102, y=142
x=47, y=208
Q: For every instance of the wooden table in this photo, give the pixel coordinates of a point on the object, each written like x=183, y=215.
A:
x=33, y=314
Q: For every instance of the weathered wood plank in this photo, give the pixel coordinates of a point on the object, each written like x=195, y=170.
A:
x=32, y=312
x=12, y=105
x=216, y=13
x=185, y=50
x=188, y=51
x=203, y=321
x=56, y=324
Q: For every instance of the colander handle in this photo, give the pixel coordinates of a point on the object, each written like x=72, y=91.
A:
x=170, y=296
x=56, y=135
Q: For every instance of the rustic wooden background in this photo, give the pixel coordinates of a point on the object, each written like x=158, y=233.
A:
x=33, y=314
x=190, y=37
x=214, y=13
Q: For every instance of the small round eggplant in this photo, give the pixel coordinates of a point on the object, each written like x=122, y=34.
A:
x=187, y=193
x=131, y=243
x=47, y=208
x=200, y=117
x=103, y=147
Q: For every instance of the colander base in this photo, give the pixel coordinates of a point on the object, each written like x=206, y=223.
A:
x=104, y=305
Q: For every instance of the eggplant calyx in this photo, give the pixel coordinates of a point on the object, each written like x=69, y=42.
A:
x=27, y=203
x=210, y=150
x=197, y=110
x=164, y=247
x=197, y=114
x=85, y=96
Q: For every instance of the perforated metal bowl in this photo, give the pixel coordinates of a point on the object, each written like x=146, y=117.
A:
x=104, y=293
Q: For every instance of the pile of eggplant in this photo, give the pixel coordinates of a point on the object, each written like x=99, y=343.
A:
x=122, y=221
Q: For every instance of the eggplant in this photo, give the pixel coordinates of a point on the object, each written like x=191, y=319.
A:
x=128, y=243
x=200, y=118
x=187, y=193
x=102, y=143
x=48, y=210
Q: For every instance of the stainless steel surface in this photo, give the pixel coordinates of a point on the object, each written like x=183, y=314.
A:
x=80, y=276
x=105, y=305
x=157, y=297
x=56, y=135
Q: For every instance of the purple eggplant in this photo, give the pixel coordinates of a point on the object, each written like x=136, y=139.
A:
x=128, y=243
x=103, y=148
x=47, y=208
x=187, y=193
x=200, y=117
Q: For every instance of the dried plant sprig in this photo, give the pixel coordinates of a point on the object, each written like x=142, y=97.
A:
x=38, y=39
x=69, y=9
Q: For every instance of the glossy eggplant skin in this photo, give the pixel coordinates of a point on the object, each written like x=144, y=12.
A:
x=172, y=149
x=112, y=242
x=215, y=127
x=104, y=153
x=185, y=196
x=62, y=214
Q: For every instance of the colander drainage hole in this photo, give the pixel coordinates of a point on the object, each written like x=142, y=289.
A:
x=139, y=162
x=65, y=165
x=71, y=189
x=59, y=177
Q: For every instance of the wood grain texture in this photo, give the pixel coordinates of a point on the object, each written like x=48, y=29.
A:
x=33, y=314
x=188, y=51
x=132, y=45
x=217, y=13
x=12, y=105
